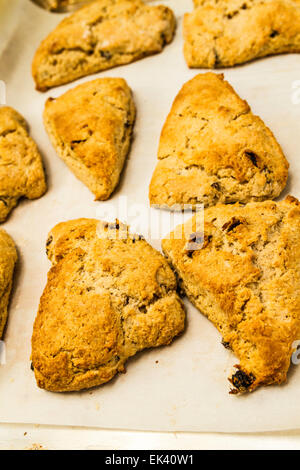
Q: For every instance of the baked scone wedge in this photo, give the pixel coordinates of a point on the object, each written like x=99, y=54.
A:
x=243, y=272
x=99, y=36
x=8, y=259
x=62, y=5
x=95, y=138
x=213, y=149
x=21, y=168
x=109, y=295
x=223, y=33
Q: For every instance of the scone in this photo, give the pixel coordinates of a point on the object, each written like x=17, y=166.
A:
x=21, y=168
x=95, y=138
x=99, y=36
x=8, y=259
x=223, y=33
x=213, y=149
x=108, y=296
x=243, y=273
x=62, y=5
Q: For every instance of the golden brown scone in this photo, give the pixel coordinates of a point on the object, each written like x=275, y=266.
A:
x=108, y=296
x=8, y=259
x=65, y=5
x=99, y=36
x=21, y=168
x=243, y=273
x=213, y=149
x=95, y=138
x=223, y=33
x=62, y=5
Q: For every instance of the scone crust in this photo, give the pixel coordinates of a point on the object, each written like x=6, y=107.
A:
x=108, y=296
x=213, y=149
x=95, y=139
x=99, y=36
x=245, y=277
x=229, y=32
x=21, y=168
x=8, y=259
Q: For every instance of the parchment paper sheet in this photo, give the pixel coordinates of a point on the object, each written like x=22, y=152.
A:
x=187, y=389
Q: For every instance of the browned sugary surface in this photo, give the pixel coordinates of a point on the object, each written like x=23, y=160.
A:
x=245, y=277
x=223, y=33
x=94, y=140
x=62, y=5
x=108, y=296
x=214, y=149
x=99, y=36
x=8, y=259
x=21, y=168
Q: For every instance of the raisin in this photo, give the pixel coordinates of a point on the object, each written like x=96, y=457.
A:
x=231, y=225
x=50, y=240
x=242, y=381
x=216, y=186
x=252, y=156
x=106, y=55
x=226, y=344
x=196, y=239
x=2, y=199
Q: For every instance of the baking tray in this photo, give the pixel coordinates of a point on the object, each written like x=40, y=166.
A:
x=182, y=387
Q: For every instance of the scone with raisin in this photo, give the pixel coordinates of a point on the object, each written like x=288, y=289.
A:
x=94, y=139
x=213, y=149
x=243, y=272
x=109, y=295
x=21, y=168
x=223, y=33
x=8, y=259
x=99, y=36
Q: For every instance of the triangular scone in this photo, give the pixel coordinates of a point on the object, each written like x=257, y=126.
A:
x=90, y=128
x=99, y=36
x=243, y=273
x=21, y=168
x=213, y=149
x=109, y=295
x=222, y=33
x=8, y=259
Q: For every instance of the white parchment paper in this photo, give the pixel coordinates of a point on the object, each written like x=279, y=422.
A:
x=182, y=387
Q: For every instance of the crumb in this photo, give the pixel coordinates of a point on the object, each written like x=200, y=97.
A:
x=35, y=447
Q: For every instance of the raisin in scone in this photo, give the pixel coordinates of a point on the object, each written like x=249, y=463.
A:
x=21, y=168
x=223, y=33
x=94, y=140
x=99, y=36
x=243, y=272
x=213, y=149
x=8, y=259
x=109, y=295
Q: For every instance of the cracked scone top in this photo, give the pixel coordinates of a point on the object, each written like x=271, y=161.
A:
x=213, y=149
x=108, y=296
x=94, y=140
x=8, y=259
x=21, y=168
x=99, y=36
x=244, y=275
x=222, y=33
